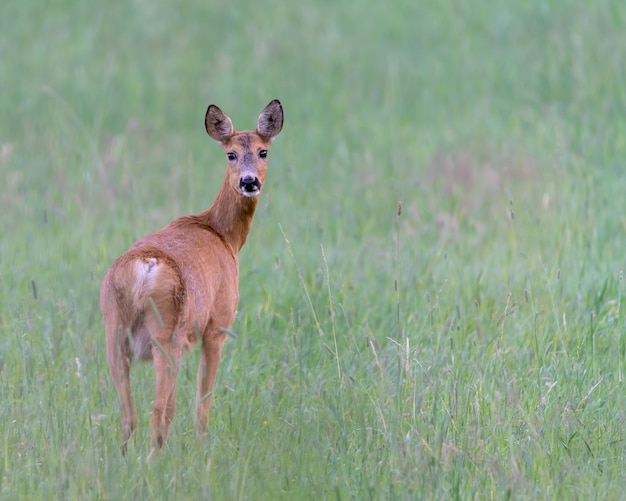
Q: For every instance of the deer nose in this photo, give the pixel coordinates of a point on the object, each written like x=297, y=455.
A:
x=249, y=184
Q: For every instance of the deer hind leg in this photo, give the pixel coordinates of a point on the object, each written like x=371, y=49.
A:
x=166, y=364
x=166, y=355
x=119, y=358
x=207, y=370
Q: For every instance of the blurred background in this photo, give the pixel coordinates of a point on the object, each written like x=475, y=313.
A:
x=443, y=165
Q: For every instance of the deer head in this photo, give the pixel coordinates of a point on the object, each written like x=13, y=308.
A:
x=246, y=151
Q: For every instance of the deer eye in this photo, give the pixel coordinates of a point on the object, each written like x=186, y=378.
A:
x=231, y=156
x=263, y=153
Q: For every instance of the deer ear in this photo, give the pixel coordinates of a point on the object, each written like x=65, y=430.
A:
x=217, y=124
x=270, y=120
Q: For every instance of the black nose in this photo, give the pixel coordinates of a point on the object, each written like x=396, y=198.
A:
x=249, y=184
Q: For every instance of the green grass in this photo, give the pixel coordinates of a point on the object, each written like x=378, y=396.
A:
x=471, y=347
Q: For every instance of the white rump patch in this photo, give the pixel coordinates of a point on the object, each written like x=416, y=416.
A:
x=145, y=267
x=145, y=276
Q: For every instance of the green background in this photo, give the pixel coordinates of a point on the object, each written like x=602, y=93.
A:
x=431, y=292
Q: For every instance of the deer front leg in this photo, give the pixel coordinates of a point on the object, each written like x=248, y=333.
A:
x=207, y=370
x=119, y=358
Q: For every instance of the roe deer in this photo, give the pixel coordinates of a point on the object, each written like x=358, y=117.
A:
x=180, y=285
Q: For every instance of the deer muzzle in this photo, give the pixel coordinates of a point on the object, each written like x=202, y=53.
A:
x=250, y=186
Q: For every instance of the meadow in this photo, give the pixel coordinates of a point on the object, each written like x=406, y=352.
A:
x=431, y=292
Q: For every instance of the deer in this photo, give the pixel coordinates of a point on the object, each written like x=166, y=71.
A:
x=179, y=286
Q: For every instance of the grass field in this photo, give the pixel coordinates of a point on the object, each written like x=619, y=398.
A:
x=432, y=291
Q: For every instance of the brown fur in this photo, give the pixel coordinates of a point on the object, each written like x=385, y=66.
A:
x=179, y=285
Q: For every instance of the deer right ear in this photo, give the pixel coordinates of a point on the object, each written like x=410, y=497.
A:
x=217, y=124
x=270, y=121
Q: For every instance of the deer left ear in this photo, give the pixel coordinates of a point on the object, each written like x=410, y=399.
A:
x=218, y=124
x=270, y=120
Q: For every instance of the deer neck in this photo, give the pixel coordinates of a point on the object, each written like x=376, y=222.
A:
x=231, y=215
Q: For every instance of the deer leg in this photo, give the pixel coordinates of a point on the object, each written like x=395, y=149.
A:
x=207, y=370
x=119, y=358
x=170, y=406
x=166, y=364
